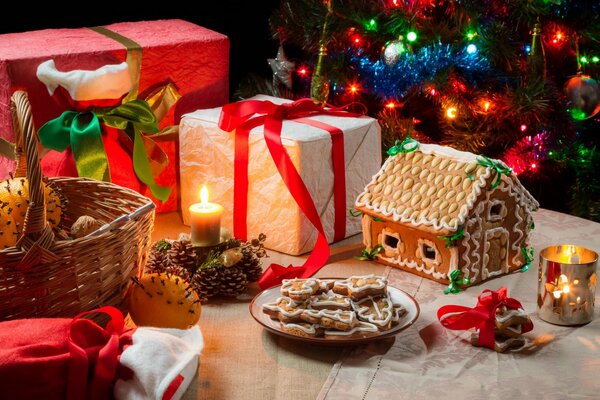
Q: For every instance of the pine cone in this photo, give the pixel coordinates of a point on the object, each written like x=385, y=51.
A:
x=182, y=255
x=206, y=282
x=157, y=261
x=233, y=281
x=251, y=266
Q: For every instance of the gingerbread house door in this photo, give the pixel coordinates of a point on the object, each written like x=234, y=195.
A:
x=495, y=252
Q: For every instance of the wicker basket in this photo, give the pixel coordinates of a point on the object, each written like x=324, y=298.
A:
x=45, y=277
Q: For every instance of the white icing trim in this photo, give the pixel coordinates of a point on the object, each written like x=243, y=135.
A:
x=475, y=234
x=503, y=268
x=503, y=211
x=403, y=262
x=325, y=299
x=420, y=254
x=384, y=315
x=276, y=307
x=391, y=251
x=106, y=82
x=366, y=229
x=509, y=314
x=453, y=258
x=524, y=199
x=308, y=286
x=361, y=327
x=310, y=329
x=380, y=283
x=346, y=317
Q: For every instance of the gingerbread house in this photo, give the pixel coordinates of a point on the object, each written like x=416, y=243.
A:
x=434, y=209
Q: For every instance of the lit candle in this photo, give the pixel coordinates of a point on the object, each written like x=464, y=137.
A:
x=205, y=220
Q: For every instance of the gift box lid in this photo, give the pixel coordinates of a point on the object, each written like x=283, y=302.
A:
x=52, y=42
x=291, y=131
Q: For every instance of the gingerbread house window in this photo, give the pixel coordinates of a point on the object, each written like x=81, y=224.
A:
x=496, y=210
x=391, y=242
x=429, y=252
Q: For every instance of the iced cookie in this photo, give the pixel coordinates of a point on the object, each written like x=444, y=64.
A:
x=510, y=322
x=378, y=311
x=330, y=301
x=399, y=312
x=302, y=329
x=284, y=309
x=336, y=319
x=300, y=289
x=359, y=287
x=501, y=343
x=363, y=329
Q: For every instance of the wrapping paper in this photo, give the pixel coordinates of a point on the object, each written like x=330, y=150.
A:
x=207, y=155
x=428, y=361
x=195, y=59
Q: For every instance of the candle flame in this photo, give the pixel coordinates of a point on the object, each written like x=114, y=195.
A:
x=204, y=195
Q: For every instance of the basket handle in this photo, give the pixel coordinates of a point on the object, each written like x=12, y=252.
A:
x=37, y=234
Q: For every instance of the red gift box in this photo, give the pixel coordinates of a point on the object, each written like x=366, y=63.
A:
x=192, y=58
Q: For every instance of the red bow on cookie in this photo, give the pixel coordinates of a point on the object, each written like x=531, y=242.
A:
x=481, y=317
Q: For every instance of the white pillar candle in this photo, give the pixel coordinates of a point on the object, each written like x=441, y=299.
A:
x=205, y=220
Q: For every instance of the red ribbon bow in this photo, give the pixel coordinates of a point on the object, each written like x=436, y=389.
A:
x=482, y=317
x=242, y=117
x=96, y=348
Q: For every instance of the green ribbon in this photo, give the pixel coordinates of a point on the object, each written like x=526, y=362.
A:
x=406, y=146
x=82, y=131
x=456, y=279
x=449, y=239
x=370, y=255
x=497, y=166
x=356, y=213
x=528, y=257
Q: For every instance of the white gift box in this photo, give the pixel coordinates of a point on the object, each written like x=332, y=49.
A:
x=207, y=158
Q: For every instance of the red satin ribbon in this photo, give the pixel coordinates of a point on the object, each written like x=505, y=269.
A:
x=105, y=360
x=242, y=117
x=482, y=317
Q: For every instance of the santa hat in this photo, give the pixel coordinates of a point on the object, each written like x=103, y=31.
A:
x=163, y=361
x=60, y=358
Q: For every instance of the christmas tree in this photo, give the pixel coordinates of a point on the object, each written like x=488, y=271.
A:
x=512, y=79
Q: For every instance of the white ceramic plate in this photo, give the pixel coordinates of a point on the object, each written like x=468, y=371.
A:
x=398, y=297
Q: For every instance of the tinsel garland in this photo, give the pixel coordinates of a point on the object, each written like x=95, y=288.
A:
x=418, y=67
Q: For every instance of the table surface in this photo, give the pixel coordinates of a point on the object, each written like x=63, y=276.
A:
x=241, y=360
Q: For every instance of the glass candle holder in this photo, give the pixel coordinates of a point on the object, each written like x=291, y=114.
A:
x=567, y=284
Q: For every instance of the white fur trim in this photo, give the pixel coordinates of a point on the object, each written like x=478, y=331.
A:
x=107, y=82
x=156, y=357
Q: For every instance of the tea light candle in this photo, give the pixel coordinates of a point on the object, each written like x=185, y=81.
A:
x=567, y=284
x=205, y=220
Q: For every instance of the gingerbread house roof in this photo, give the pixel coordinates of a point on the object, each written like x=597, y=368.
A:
x=436, y=187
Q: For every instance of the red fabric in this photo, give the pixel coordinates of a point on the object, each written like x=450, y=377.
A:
x=60, y=358
x=481, y=317
x=173, y=386
x=193, y=58
x=240, y=117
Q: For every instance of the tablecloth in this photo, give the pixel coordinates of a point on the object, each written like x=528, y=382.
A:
x=430, y=362
x=243, y=361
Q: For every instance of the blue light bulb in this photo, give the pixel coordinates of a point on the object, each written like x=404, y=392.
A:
x=471, y=49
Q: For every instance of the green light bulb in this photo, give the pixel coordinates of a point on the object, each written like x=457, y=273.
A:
x=595, y=59
x=584, y=60
x=411, y=36
x=471, y=35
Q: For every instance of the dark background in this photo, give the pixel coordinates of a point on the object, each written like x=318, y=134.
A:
x=244, y=22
